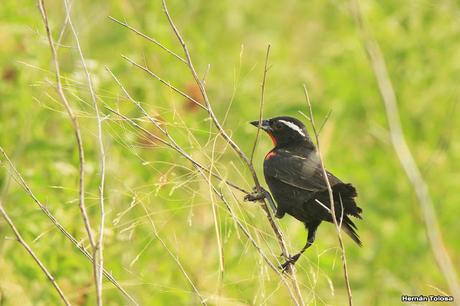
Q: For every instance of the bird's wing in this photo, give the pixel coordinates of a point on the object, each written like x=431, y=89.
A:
x=303, y=172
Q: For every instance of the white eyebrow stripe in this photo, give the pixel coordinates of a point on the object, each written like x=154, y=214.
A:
x=293, y=126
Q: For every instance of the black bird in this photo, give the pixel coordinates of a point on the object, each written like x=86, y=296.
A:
x=294, y=175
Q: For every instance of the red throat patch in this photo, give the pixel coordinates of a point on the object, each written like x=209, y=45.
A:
x=273, y=138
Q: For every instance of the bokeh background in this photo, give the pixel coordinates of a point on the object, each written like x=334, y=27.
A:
x=313, y=42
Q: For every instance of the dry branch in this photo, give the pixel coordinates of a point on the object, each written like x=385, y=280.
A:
x=32, y=254
x=164, y=82
x=75, y=126
x=126, y=25
x=98, y=256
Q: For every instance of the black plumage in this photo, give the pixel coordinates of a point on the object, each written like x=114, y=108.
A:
x=294, y=175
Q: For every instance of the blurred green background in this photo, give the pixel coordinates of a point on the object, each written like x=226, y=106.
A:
x=313, y=42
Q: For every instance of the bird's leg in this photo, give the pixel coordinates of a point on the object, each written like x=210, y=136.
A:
x=311, y=238
x=256, y=195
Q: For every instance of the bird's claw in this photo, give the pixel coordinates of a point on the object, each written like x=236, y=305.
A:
x=291, y=260
x=256, y=195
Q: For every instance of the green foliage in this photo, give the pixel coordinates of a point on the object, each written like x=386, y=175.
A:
x=313, y=42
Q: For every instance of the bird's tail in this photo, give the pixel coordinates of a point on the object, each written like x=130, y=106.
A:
x=344, y=194
x=350, y=228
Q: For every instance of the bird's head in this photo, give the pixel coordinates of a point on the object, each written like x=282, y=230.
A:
x=284, y=130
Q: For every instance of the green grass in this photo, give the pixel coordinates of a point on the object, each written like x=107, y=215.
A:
x=313, y=42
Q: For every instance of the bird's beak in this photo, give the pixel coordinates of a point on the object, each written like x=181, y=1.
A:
x=264, y=125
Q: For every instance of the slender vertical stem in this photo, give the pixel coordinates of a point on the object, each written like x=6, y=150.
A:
x=331, y=199
x=76, y=128
x=73, y=120
x=262, y=100
x=98, y=253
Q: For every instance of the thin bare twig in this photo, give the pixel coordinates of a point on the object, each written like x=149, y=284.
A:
x=64, y=27
x=406, y=159
x=126, y=25
x=74, y=121
x=262, y=100
x=100, y=238
x=20, y=180
x=150, y=72
x=32, y=253
x=98, y=256
x=331, y=199
x=205, y=76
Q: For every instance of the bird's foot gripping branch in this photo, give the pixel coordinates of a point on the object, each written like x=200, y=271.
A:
x=258, y=195
x=289, y=261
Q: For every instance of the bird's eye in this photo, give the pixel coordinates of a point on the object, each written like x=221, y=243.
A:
x=278, y=125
